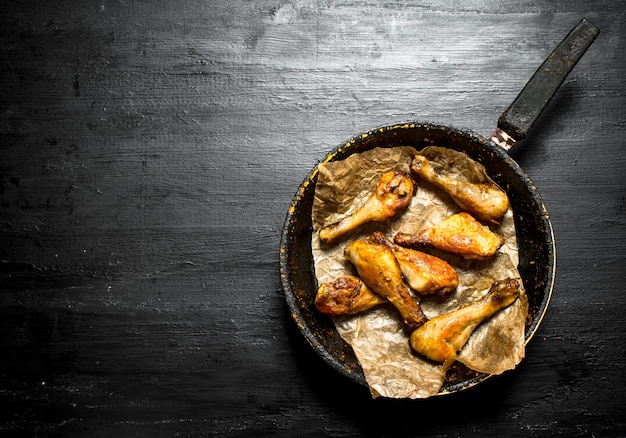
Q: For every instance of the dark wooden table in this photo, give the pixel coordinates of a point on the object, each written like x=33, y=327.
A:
x=150, y=151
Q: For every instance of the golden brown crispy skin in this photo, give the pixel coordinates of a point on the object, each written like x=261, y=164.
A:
x=379, y=269
x=486, y=201
x=347, y=295
x=393, y=193
x=424, y=273
x=442, y=337
x=459, y=234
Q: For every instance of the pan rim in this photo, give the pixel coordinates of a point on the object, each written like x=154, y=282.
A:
x=350, y=147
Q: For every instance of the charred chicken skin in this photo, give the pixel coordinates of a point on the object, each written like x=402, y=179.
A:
x=347, y=295
x=424, y=273
x=486, y=201
x=442, y=337
x=460, y=234
x=393, y=193
x=378, y=268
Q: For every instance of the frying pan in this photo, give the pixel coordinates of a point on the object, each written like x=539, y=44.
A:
x=537, y=256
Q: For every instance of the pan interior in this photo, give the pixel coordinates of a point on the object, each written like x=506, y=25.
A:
x=534, y=237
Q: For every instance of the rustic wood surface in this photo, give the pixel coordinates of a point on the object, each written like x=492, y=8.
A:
x=149, y=153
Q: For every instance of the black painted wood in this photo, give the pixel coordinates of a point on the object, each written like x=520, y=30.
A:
x=150, y=150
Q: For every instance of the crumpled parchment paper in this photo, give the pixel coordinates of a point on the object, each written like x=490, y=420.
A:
x=377, y=337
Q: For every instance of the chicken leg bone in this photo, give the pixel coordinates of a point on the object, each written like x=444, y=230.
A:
x=346, y=295
x=379, y=269
x=424, y=273
x=485, y=200
x=393, y=193
x=459, y=234
x=442, y=337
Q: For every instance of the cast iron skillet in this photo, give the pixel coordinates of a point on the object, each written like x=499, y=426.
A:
x=534, y=232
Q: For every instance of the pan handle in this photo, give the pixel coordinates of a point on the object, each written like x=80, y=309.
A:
x=516, y=121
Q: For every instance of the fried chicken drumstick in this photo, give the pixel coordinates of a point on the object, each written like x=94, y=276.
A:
x=393, y=193
x=486, y=200
x=442, y=337
x=378, y=268
x=459, y=234
x=347, y=295
x=424, y=273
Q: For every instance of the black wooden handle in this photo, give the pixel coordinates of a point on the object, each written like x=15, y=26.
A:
x=517, y=120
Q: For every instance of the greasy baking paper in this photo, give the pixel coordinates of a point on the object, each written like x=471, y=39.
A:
x=377, y=337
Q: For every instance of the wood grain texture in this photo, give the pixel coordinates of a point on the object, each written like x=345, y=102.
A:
x=149, y=153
